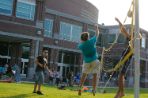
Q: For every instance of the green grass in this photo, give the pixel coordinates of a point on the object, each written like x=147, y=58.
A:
x=24, y=90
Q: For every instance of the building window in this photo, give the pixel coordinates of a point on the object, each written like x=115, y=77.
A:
x=99, y=41
x=143, y=42
x=25, y=52
x=48, y=26
x=60, y=57
x=76, y=32
x=4, y=49
x=6, y=7
x=92, y=32
x=67, y=57
x=25, y=9
x=70, y=32
x=121, y=38
x=65, y=31
x=142, y=70
x=111, y=38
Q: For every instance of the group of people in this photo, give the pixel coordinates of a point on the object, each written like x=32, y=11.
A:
x=9, y=73
x=70, y=79
x=91, y=64
x=54, y=77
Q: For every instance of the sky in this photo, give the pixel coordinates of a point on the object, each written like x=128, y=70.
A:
x=109, y=9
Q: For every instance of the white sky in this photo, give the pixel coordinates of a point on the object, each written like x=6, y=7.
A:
x=109, y=9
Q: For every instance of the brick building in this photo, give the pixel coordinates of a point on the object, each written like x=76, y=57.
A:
x=26, y=26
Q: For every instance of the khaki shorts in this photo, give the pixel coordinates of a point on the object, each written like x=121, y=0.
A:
x=92, y=67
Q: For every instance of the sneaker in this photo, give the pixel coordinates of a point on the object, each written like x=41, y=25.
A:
x=39, y=93
x=79, y=92
x=34, y=92
x=93, y=92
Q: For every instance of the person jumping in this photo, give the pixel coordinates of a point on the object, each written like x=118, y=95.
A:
x=90, y=56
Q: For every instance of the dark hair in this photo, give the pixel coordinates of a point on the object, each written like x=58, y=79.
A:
x=44, y=49
x=84, y=36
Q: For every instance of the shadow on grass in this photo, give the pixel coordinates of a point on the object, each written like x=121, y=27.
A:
x=113, y=90
x=19, y=96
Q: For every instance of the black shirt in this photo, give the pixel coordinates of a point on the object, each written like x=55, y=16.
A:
x=42, y=61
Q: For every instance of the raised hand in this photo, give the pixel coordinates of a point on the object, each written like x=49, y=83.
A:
x=97, y=30
x=122, y=29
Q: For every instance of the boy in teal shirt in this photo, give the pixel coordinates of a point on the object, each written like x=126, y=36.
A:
x=91, y=63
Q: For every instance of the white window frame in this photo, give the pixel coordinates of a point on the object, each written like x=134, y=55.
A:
x=27, y=2
x=50, y=35
x=71, y=33
x=143, y=41
x=61, y=33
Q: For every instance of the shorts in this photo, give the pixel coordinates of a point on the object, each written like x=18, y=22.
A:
x=39, y=77
x=126, y=65
x=92, y=67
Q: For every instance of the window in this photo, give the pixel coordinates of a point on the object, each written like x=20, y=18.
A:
x=77, y=59
x=60, y=57
x=76, y=32
x=65, y=31
x=121, y=38
x=91, y=32
x=111, y=38
x=25, y=9
x=99, y=41
x=142, y=70
x=70, y=32
x=143, y=42
x=25, y=52
x=6, y=7
x=4, y=48
x=67, y=58
x=48, y=25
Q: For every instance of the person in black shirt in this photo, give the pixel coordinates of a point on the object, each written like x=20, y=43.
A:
x=41, y=62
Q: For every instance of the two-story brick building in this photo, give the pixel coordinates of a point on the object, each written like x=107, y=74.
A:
x=26, y=26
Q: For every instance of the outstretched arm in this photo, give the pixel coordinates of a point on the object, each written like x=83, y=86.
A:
x=48, y=68
x=122, y=28
x=97, y=30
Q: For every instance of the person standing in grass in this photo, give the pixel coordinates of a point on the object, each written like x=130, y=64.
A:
x=122, y=74
x=41, y=63
x=90, y=56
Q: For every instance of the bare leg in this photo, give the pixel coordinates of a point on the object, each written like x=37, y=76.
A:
x=121, y=86
x=120, y=92
x=39, y=90
x=94, y=83
x=82, y=82
x=35, y=86
x=39, y=87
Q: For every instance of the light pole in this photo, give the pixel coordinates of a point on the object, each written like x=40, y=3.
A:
x=136, y=51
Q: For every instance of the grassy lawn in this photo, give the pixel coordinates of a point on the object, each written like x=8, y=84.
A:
x=24, y=90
